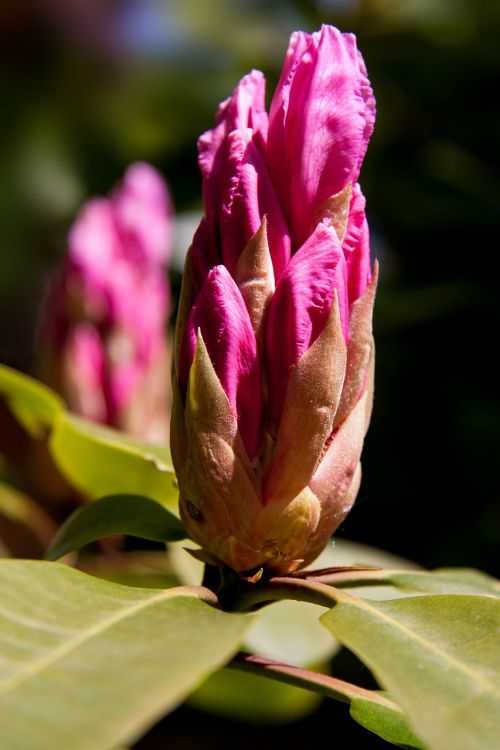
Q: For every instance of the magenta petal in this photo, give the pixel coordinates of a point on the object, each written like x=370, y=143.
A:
x=205, y=252
x=244, y=109
x=84, y=372
x=278, y=147
x=300, y=307
x=143, y=210
x=356, y=247
x=248, y=196
x=321, y=120
x=222, y=317
x=93, y=239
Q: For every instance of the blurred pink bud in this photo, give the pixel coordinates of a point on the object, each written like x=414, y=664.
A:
x=104, y=338
x=273, y=363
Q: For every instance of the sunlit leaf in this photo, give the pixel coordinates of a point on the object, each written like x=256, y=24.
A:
x=101, y=461
x=87, y=664
x=32, y=403
x=134, y=515
x=439, y=658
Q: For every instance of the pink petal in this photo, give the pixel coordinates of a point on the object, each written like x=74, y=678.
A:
x=244, y=109
x=84, y=373
x=93, y=239
x=299, y=309
x=142, y=209
x=278, y=154
x=356, y=247
x=321, y=119
x=205, y=253
x=221, y=315
x=248, y=196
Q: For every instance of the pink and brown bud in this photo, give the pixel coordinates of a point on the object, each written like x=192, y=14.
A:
x=104, y=339
x=273, y=366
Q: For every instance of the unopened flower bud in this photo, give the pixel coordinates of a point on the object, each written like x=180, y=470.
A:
x=273, y=366
x=104, y=336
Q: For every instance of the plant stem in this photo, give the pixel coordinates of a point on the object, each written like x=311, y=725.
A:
x=331, y=687
x=250, y=596
x=351, y=577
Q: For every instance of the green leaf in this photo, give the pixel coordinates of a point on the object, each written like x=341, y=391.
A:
x=346, y=552
x=397, y=576
x=386, y=722
x=343, y=552
x=400, y=582
x=116, y=514
x=33, y=404
x=446, y=581
x=25, y=527
x=291, y=632
x=247, y=697
x=87, y=664
x=101, y=461
x=438, y=657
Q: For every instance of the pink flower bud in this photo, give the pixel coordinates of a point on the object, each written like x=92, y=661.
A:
x=321, y=120
x=104, y=340
x=273, y=365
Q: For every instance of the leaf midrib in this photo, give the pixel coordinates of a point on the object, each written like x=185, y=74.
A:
x=35, y=667
x=429, y=645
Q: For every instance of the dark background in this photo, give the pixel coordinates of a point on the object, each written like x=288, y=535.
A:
x=88, y=87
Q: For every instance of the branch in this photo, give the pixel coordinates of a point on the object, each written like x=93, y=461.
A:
x=330, y=687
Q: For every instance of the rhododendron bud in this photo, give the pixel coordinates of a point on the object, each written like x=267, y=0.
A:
x=273, y=365
x=104, y=337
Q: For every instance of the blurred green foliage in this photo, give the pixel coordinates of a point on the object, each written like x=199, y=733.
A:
x=89, y=86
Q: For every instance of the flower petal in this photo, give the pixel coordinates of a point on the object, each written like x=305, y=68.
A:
x=321, y=120
x=93, y=240
x=247, y=196
x=300, y=308
x=222, y=317
x=244, y=109
x=83, y=372
x=142, y=209
x=356, y=247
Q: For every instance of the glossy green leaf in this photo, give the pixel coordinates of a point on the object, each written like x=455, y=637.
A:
x=32, y=403
x=134, y=515
x=101, y=461
x=87, y=664
x=439, y=658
